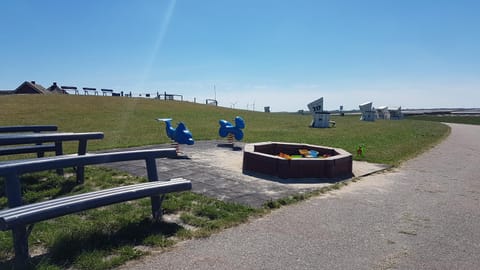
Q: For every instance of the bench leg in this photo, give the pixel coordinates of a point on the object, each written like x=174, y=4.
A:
x=82, y=150
x=156, y=201
x=20, y=242
x=157, y=206
x=13, y=190
x=80, y=174
x=59, y=152
x=41, y=153
x=20, y=233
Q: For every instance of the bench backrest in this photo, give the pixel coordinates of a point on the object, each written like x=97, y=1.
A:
x=41, y=164
x=12, y=170
x=49, y=137
x=28, y=128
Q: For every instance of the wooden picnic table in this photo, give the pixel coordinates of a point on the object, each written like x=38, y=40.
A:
x=57, y=138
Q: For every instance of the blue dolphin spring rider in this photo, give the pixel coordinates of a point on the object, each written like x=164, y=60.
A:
x=179, y=135
x=228, y=130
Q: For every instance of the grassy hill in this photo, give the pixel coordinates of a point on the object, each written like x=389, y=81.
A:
x=129, y=122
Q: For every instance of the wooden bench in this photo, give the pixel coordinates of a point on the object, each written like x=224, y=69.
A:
x=14, y=143
x=105, y=91
x=20, y=218
x=67, y=88
x=38, y=148
x=86, y=89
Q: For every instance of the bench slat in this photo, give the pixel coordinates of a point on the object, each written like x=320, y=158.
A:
x=28, y=128
x=13, y=139
x=77, y=197
x=62, y=206
x=49, y=163
x=26, y=149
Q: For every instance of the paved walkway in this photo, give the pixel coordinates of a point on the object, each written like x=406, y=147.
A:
x=217, y=172
x=424, y=215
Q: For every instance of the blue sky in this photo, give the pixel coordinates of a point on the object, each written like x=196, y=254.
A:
x=277, y=53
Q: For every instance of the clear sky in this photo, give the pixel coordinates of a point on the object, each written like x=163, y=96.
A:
x=277, y=53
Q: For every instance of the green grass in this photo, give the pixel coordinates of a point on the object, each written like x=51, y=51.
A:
x=109, y=236
x=458, y=119
x=129, y=122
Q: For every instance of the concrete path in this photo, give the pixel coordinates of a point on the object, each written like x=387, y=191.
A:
x=423, y=215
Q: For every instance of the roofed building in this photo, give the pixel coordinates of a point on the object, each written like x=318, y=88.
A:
x=30, y=88
x=55, y=89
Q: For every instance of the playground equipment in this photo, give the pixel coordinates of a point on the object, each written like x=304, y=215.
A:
x=179, y=135
x=264, y=158
x=228, y=130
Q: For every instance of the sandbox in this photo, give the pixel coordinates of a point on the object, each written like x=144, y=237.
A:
x=264, y=158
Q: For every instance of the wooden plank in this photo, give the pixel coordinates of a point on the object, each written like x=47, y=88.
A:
x=12, y=139
x=36, y=212
x=27, y=149
x=28, y=128
x=50, y=163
